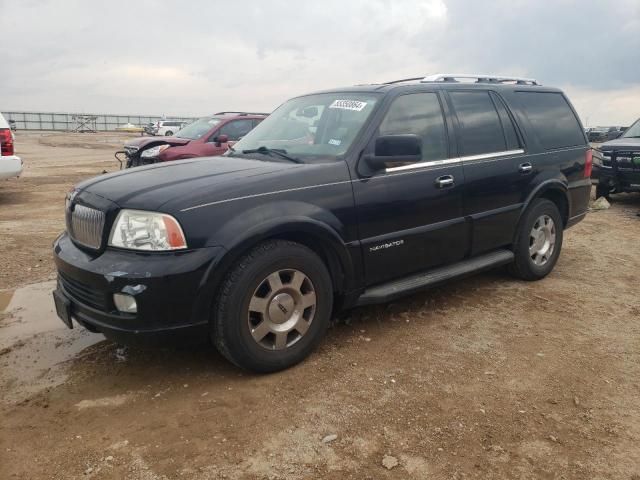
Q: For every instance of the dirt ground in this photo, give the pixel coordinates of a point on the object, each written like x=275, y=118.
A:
x=485, y=378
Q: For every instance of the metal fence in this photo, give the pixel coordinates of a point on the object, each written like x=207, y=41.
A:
x=68, y=121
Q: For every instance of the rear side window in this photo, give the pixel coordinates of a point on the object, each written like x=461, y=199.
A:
x=510, y=135
x=481, y=129
x=553, y=121
x=421, y=115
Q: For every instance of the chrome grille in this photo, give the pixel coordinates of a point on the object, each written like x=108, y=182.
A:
x=627, y=160
x=85, y=226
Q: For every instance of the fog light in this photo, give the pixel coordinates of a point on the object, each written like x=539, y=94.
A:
x=125, y=303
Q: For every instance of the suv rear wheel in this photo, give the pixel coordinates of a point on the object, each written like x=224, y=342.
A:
x=273, y=307
x=168, y=134
x=538, y=241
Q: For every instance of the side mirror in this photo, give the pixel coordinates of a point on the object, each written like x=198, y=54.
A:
x=220, y=139
x=395, y=149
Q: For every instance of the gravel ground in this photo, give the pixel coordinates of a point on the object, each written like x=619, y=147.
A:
x=485, y=378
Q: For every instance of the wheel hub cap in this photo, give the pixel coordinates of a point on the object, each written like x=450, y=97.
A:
x=542, y=240
x=281, y=309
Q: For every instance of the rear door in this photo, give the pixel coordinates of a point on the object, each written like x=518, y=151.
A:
x=410, y=215
x=495, y=167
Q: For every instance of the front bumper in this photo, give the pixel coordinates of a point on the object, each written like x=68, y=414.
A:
x=622, y=180
x=171, y=290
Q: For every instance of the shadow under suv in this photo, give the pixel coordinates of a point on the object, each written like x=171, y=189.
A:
x=340, y=198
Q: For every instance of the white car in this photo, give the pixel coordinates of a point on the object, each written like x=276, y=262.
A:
x=169, y=127
x=10, y=164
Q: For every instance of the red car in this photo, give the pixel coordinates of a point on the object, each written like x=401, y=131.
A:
x=206, y=137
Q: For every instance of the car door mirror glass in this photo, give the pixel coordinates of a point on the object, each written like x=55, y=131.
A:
x=395, y=149
x=398, y=145
x=218, y=140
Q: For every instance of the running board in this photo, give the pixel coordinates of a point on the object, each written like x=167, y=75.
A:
x=404, y=286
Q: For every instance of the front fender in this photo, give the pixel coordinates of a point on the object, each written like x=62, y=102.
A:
x=309, y=224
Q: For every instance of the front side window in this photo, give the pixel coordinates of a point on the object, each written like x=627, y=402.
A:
x=321, y=126
x=198, y=129
x=633, y=131
x=480, y=128
x=418, y=114
x=236, y=129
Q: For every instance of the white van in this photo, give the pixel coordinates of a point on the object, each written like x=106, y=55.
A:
x=10, y=164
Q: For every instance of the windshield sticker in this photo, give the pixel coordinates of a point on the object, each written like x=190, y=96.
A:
x=354, y=105
x=335, y=142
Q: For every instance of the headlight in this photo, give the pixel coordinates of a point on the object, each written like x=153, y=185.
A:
x=154, y=151
x=139, y=230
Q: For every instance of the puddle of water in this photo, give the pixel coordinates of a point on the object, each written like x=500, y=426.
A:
x=34, y=342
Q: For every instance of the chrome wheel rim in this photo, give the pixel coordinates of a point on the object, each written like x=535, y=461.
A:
x=542, y=240
x=281, y=309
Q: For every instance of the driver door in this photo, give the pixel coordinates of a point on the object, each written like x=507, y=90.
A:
x=234, y=130
x=410, y=215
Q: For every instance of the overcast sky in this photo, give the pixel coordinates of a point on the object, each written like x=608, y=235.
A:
x=199, y=56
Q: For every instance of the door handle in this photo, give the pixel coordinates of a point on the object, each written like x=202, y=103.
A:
x=525, y=168
x=444, y=181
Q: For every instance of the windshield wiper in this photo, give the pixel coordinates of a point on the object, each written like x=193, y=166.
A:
x=281, y=152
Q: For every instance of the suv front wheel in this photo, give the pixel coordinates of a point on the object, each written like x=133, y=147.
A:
x=273, y=307
x=538, y=241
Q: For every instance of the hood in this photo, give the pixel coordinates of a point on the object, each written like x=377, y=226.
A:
x=621, y=144
x=170, y=186
x=144, y=141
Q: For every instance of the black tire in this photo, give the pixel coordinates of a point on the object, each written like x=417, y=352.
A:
x=524, y=266
x=168, y=134
x=231, y=331
x=603, y=190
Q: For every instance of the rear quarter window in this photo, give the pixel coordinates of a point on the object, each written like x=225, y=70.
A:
x=552, y=119
x=481, y=131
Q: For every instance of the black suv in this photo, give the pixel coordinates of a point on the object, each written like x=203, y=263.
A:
x=340, y=198
x=616, y=166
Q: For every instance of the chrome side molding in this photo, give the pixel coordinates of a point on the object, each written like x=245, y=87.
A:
x=448, y=161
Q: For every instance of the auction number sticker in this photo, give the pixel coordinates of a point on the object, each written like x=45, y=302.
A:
x=354, y=105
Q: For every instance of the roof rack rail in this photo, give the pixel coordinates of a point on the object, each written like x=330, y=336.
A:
x=480, y=78
x=402, y=80
x=241, y=113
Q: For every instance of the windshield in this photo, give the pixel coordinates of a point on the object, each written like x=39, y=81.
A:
x=322, y=125
x=197, y=129
x=633, y=130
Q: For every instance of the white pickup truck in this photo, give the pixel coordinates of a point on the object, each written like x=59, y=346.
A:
x=10, y=164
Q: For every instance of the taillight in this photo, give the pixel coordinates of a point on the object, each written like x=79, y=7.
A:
x=6, y=142
x=588, y=163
